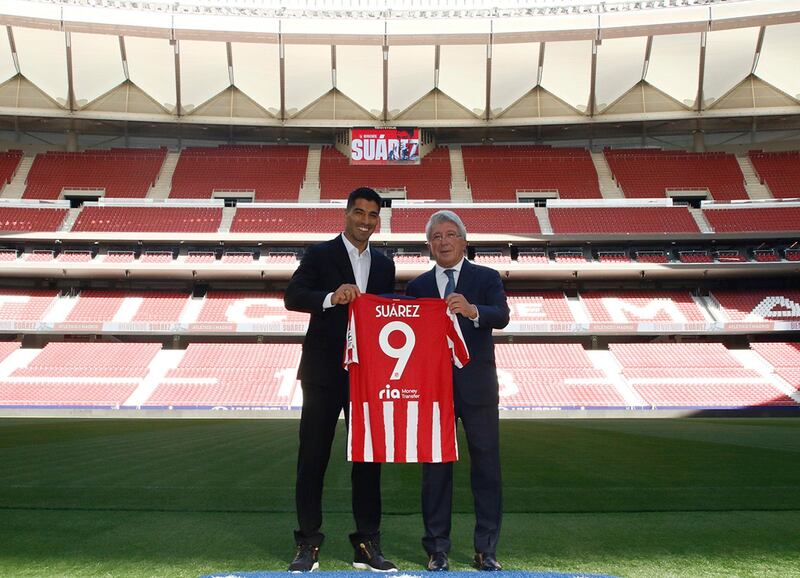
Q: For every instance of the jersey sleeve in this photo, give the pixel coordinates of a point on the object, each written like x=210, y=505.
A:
x=456, y=343
x=351, y=345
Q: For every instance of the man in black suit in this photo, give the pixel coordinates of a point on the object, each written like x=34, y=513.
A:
x=330, y=276
x=476, y=295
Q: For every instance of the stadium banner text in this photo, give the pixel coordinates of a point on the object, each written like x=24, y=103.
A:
x=384, y=146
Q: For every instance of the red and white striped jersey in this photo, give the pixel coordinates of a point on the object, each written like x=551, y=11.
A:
x=400, y=354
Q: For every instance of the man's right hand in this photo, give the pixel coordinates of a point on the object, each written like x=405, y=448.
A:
x=345, y=294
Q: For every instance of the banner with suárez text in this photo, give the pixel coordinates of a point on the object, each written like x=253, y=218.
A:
x=384, y=146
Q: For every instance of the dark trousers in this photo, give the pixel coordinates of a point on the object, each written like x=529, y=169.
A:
x=481, y=424
x=321, y=407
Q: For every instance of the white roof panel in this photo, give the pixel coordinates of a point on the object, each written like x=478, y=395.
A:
x=256, y=72
x=204, y=71
x=359, y=74
x=515, y=70
x=729, y=60
x=151, y=66
x=411, y=70
x=7, y=69
x=43, y=60
x=308, y=75
x=96, y=65
x=779, y=58
x=567, y=71
x=620, y=64
x=462, y=75
x=675, y=66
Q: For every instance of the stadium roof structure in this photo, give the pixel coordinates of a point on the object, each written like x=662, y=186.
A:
x=454, y=63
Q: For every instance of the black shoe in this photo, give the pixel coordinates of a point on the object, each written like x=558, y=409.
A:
x=368, y=556
x=437, y=562
x=306, y=559
x=486, y=562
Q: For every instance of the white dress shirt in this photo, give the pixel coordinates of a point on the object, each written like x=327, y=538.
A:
x=360, y=262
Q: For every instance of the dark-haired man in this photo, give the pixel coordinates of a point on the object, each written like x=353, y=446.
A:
x=330, y=276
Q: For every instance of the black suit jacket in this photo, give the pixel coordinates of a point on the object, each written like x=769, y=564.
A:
x=322, y=270
x=476, y=382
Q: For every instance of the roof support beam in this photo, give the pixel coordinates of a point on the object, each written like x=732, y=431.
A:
x=540, y=68
x=229, y=52
x=70, y=79
x=176, y=44
x=282, y=72
x=648, y=49
x=590, y=108
x=487, y=110
x=385, y=53
x=759, y=45
x=13, y=46
x=123, y=54
x=701, y=73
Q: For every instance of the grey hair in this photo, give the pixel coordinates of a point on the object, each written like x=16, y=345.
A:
x=442, y=216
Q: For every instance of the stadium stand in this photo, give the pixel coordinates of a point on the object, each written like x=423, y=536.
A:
x=695, y=256
x=508, y=221
x=620, y=220
x=9, y=161
x=694, y=375
x=288, y=220
x=784, y=358
x=270, y=172
x=162, y=219
x=760, y=305
x=248, y=307
x=82, y=360
x=231, y=374
x=641, y=306
x=17, y=219
x=542, y=306
x=656, y=256
x=499, y=172
x=429, y=180
x=97, y=306
x=119, y=172
x=552, y=375
x=25, y=304
x=745, y=220
x=649, y=173
x=766, y=255
x=780, y=171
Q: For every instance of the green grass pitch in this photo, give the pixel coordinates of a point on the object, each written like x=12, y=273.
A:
x=639, y=498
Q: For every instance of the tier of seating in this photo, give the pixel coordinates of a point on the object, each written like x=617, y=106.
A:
x=94, y=305
x=499, y=172
x=692, y=375
x=613, y=220
x=641, y=306
x=20, y=219
x=149, y=219
x=9, y=161
x=539, y=307
x=231, y=374
x=25, y=304
x=511, y=221
x=779, y=171
x=649, y=173
x=783, y=219
x=255, y=375
x=118, y=172
x=270, y=172
x=760, y=305
x=288, y=220
x=428, y=180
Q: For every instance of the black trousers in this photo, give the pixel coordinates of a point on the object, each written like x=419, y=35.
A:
x=482, y=426
x=321, y=407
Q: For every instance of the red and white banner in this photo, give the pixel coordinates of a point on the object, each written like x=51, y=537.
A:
x=383, y=146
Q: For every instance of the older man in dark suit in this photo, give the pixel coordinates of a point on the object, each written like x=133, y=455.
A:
x=330, y=276
x=477, y=296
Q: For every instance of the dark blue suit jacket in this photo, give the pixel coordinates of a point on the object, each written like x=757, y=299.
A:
x=476, y=382
x=322, y=270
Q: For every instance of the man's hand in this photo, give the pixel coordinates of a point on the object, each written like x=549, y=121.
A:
x=458, y=304
x=345, y=294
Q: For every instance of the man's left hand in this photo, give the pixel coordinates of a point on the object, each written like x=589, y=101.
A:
x=458, y=304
